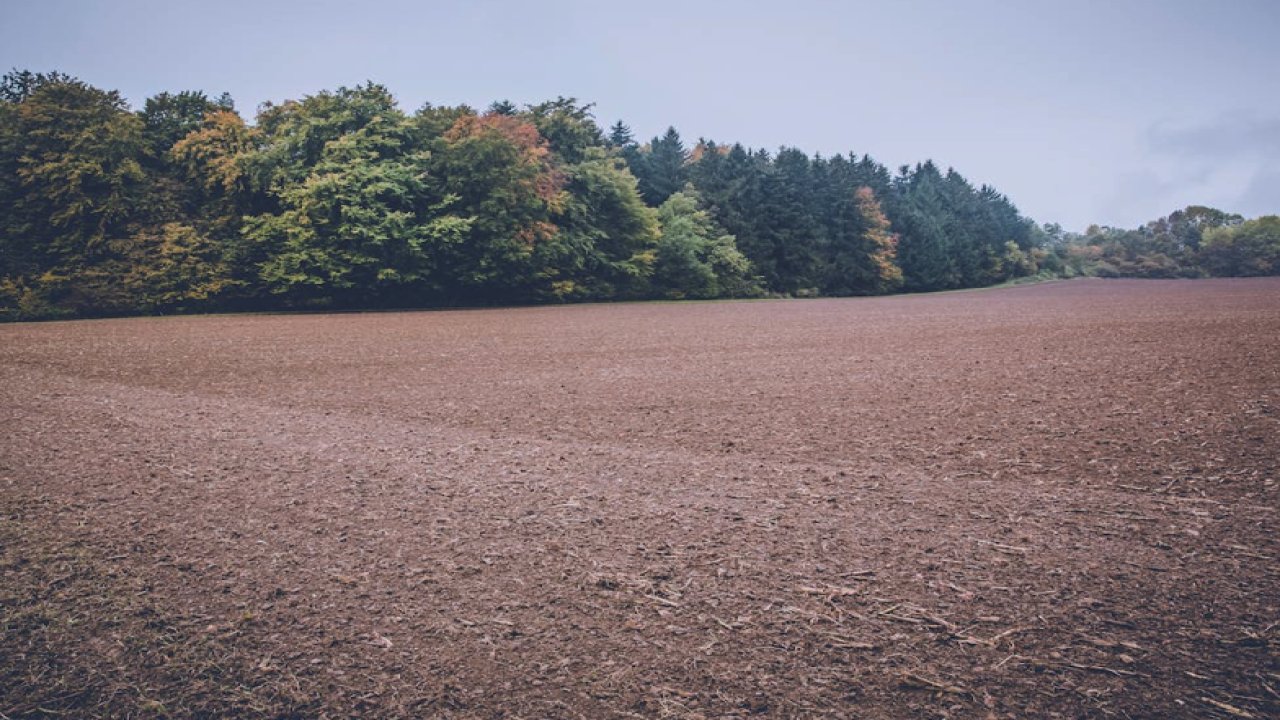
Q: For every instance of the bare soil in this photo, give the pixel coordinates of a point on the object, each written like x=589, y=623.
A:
x=1056, y=500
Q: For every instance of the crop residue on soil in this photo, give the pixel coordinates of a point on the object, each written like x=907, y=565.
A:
x=1053, y=499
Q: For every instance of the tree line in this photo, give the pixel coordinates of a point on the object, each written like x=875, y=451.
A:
x=343, y=200
x=1196, y=241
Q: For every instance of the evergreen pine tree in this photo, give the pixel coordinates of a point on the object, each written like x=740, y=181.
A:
x=662, y=172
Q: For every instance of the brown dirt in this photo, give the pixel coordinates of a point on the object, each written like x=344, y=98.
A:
x=1044, y=501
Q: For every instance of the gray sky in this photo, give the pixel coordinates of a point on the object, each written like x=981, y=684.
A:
x=1111, y=112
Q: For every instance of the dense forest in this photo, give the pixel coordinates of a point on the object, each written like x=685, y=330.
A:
x=343, y=200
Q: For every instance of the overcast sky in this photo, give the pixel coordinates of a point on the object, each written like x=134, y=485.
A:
x=1112, y=112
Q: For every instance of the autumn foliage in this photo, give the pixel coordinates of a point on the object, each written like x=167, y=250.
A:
x=342, y=199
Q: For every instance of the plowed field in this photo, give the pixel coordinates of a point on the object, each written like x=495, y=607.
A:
x=1056, y=500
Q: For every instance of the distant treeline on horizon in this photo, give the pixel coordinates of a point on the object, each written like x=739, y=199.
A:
x=342, y=200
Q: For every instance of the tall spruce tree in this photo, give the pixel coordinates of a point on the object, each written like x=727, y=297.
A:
x=925, y=251
x=662, y=169
x=620, y=135
x=786, y=235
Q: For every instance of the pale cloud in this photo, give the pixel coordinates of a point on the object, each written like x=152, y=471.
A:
x=1238, y=135
x=1230, y=162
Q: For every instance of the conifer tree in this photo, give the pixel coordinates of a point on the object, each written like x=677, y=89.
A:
x=662, y=171
x=620, y=135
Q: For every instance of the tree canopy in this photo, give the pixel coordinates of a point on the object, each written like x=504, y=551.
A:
x=343, y=199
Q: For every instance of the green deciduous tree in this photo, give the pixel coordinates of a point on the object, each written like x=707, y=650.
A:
x=1249, y=248
x=695, y=257
x=73, y=186
x=363, y=224
x=502, y=174
x=175, y=267
x=169, y=117
x=568, y=127
x=605, y=246
x=215, y=157
x=17, y=85
x=78, y=170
